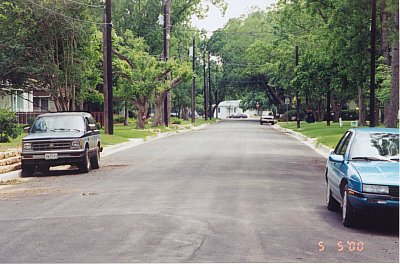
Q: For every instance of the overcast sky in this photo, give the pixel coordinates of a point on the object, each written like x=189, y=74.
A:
x=236, y=8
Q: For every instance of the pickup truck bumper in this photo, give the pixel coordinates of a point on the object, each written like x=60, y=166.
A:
x=63, y=158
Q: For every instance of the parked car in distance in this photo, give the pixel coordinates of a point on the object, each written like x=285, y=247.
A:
x=362, y=173
x=267, y=117
x=60, y=139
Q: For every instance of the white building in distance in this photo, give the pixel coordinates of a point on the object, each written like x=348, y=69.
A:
x=228, y=108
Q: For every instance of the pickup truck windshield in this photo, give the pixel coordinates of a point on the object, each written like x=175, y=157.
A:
x=58, y=123
x=375, y=146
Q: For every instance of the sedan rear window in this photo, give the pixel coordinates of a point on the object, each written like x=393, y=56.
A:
x=376, y=145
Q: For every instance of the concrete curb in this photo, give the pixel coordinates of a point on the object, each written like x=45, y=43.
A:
x=107, y=151
x=321, y=149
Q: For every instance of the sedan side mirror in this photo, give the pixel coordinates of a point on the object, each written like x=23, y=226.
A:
x=336, y=158
x=27, y=129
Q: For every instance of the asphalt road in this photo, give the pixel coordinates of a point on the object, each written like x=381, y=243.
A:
x=233, y=192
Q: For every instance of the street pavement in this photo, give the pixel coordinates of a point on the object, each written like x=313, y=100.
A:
x=232, y=192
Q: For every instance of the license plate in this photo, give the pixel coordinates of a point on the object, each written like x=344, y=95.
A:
x=50, y=156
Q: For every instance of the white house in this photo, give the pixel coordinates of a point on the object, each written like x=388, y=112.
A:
x=22, y=102
x=227, y=108
x=17, y=101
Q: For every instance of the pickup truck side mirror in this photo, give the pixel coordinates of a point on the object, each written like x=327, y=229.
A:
x=27, y=129
x=92, y=127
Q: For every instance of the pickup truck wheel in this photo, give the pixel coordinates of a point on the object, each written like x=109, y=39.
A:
x=348, y=216
x=44, y=169
x=95, y=160
x=331, y=203
x=27, y=170
x=84, y=166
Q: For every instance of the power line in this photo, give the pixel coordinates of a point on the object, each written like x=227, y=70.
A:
x=221, y=32
x=243, y=65
x=84, y=4
x=65, y=16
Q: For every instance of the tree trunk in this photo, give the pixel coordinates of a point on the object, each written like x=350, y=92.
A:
x=376, y=112
x=275, y=97
x=384, y=34
x=185, y=113
x=393, y=107
x=336, y=108
x=159, y=110
x=126, y=117
x=73, y=99
x=320, y=111
x=143, y=108
x=361, y=107
x=328, y=108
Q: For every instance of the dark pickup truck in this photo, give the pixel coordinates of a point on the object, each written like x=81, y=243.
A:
x=67, y=138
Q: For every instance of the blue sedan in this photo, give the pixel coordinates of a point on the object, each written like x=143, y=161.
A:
x=363, y=173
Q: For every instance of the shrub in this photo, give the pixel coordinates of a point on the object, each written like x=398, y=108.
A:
x=292, y=114
x=30, y=120
x=176, y=121
x=119, y=119
x=349, y=115
x=9, y=127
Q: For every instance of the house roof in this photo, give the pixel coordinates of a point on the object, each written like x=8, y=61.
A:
x=229, y=103
x=40, y=93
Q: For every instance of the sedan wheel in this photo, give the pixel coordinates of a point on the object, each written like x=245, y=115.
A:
x=331, y=203
x=348, y=217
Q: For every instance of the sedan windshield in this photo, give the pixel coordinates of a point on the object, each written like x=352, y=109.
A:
x=58, y=123
x=375, y=146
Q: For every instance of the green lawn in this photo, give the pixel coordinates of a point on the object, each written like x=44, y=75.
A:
x=13, y=144
x=328, y=136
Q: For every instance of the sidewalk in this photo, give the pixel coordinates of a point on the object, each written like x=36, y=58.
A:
x=321, y=149
x=109, y=150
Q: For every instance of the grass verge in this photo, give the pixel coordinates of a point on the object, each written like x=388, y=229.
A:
x=328, y=136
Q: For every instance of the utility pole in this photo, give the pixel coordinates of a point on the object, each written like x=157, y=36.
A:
x=209, y=88
x=372, y=98
x=297, y=92
x=216, y=92
x=194, y=82
x=167, y=37
x=205, y=87
x=107, y=66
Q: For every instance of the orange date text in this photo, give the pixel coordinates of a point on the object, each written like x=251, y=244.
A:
x=344, y=246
